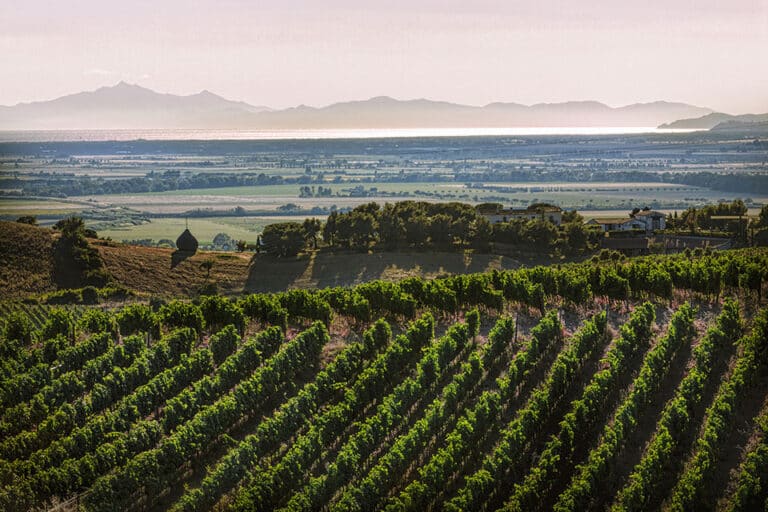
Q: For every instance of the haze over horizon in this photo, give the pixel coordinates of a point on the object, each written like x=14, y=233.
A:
x=287, y=53
x=300, y=104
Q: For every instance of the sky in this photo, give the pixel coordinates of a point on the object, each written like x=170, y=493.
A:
x=283, y=53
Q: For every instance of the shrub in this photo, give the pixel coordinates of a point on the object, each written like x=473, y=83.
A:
x=59, y=323
x=136, y=318
x=219, y=311
x=224, y=343
x=18, y=327
x=96, y=321
x=90, y=295
x=182, y=314
x=64, y=297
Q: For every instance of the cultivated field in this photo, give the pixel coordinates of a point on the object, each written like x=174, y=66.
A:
x=120, y=185
x=630, y=385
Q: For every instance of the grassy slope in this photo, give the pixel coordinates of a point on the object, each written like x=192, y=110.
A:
x=148, y=269
x=26, y=267
x=26, y=262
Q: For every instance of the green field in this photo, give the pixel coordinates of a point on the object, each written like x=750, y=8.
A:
x=19, y=207
x=204, y=228
x=592, y=196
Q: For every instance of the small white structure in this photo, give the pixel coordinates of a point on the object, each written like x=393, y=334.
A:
x=653, y=220
x=647, y=220
x=548, y=212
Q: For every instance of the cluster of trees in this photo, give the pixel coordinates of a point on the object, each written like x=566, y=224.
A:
x=693, y=219
x=76, y=263
x=421, y=226
x=320, y=191
x=57, y=185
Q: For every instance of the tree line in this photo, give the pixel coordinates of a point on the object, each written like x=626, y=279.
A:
x=418, y=225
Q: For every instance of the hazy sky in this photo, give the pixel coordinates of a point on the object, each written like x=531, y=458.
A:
x=284, y=52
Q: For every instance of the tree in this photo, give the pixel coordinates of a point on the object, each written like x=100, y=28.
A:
x=763, y=217
x=284, y=239
x=312, y=229
x=540, y=234
x=27, y=219
x=223, y=241
x=363, y=229
x=391, y=227
x=577, y=237
x=70, y=226
x=76, y=263
x=207, y=265
x=572, y=216
x=439, y=230
x=329, y=230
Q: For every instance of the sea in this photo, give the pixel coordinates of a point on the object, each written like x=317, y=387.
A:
x=373, y=133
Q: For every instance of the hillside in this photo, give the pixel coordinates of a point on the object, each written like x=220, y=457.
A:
x=26, y=260
x=147, y=270
x=757, y=127
x=639, y=384
x=27, y=267
x=714, y=120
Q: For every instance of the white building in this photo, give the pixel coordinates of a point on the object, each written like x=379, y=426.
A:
x=647, y=220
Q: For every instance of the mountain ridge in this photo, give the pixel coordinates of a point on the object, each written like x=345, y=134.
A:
x=714, y=119
x=131, y=106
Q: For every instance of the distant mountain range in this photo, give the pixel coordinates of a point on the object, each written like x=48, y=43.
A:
x=126, y=106
x=719, y=121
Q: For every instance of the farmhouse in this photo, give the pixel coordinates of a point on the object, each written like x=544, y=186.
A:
x=617, y=224
x=653, y=220
x=542, y=211
x=647, y=220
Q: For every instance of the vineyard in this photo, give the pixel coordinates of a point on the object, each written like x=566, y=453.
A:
x=637, y=384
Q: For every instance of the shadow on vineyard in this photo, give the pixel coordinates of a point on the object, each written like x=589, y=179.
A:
x=632, y=384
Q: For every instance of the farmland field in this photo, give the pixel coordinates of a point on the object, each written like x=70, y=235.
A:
x=599, y=195
x=636, y=384
x=117, y=186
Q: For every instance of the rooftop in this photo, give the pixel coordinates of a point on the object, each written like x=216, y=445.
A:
x=614, y=220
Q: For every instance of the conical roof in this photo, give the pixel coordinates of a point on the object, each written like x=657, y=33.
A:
x=186, y=242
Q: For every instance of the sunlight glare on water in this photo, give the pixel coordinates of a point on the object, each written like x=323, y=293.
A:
x=373, y=133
